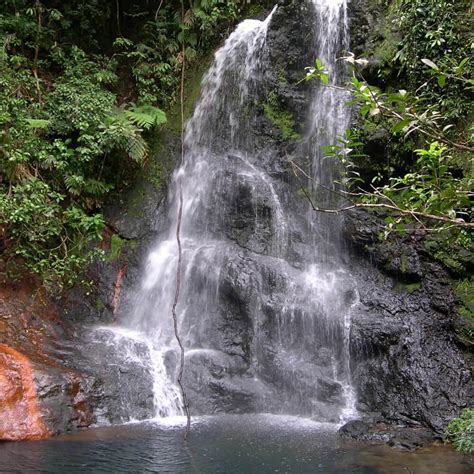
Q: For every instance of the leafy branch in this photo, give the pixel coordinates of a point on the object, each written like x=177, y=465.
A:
x=365, y=202
x=401, y=111
x=428, y=194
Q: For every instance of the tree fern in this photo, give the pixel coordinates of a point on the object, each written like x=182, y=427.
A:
x=123, y=130
x=145, y=116
x=135, y=146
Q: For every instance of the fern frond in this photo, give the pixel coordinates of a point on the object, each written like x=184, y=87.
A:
x=146, y=116
x=74, y=184
x=124, y=129
x=96, y=188
x=137, y=148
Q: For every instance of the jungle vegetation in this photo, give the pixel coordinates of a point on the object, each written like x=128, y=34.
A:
x=83, y=88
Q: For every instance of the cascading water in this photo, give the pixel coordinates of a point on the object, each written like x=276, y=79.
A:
x=264, y=308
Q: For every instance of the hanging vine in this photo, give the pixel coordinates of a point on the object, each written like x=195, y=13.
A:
x=178, y=240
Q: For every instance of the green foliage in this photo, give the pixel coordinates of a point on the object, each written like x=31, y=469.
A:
x=280, y=118
x=431, y=196
x=116, y=247
x=461, y=432
x=155, y=57
x=437, y=30
x=318, y=71
x=146, y=116
x=423, y=47
x=65, y=144
x=123, y=130
x=452, y=247
x=82, y=88
x=50, y=239
x=431, y=189
x=464, y=290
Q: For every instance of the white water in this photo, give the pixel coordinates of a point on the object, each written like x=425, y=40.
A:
x=137, y=347
x=299, y=327
x=325, y=129
x=162, y=264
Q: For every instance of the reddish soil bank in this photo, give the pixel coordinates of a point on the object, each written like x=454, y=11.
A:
x=20, y=418
x=30, y=372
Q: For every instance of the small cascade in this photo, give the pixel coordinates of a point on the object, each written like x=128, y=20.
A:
x=265, y=302
x=136, y=348
x=325, y=128
x=332, y=40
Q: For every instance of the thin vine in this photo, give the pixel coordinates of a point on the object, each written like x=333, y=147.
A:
x=180, y=250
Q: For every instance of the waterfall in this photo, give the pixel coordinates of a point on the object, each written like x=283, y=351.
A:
x=265, y=304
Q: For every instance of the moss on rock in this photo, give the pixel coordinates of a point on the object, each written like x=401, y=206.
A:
x=192, y=89
x=116, y=246
x=464, y=291
x=280, y=118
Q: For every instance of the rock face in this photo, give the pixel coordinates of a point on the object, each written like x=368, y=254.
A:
x=366, y=19
x=404, y=356
x=57, y=375
x=39, y=394
x=395, y=435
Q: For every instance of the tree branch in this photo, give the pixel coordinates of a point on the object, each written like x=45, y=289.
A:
x=392, y=206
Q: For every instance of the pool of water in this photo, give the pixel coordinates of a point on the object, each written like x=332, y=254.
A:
x=227, y=444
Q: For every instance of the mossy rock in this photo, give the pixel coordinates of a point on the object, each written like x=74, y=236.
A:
x=192, y=89
x=409, y=288
x=464, y=291
x=117, y=245
x=280, y=118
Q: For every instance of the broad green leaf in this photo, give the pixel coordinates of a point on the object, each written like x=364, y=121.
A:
x=401, y=125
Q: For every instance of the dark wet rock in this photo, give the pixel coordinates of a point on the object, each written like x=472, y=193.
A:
x=397, y=436
x=65, y=397
x=366, y=20
x=374, y=36
x=404, y=356
x=216, y=383
x=121, y=367
x=289, y=34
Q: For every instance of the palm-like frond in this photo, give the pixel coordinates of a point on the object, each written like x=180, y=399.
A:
x=146, y=116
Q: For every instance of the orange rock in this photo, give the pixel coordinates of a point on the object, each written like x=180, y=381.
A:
x=20, y=416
